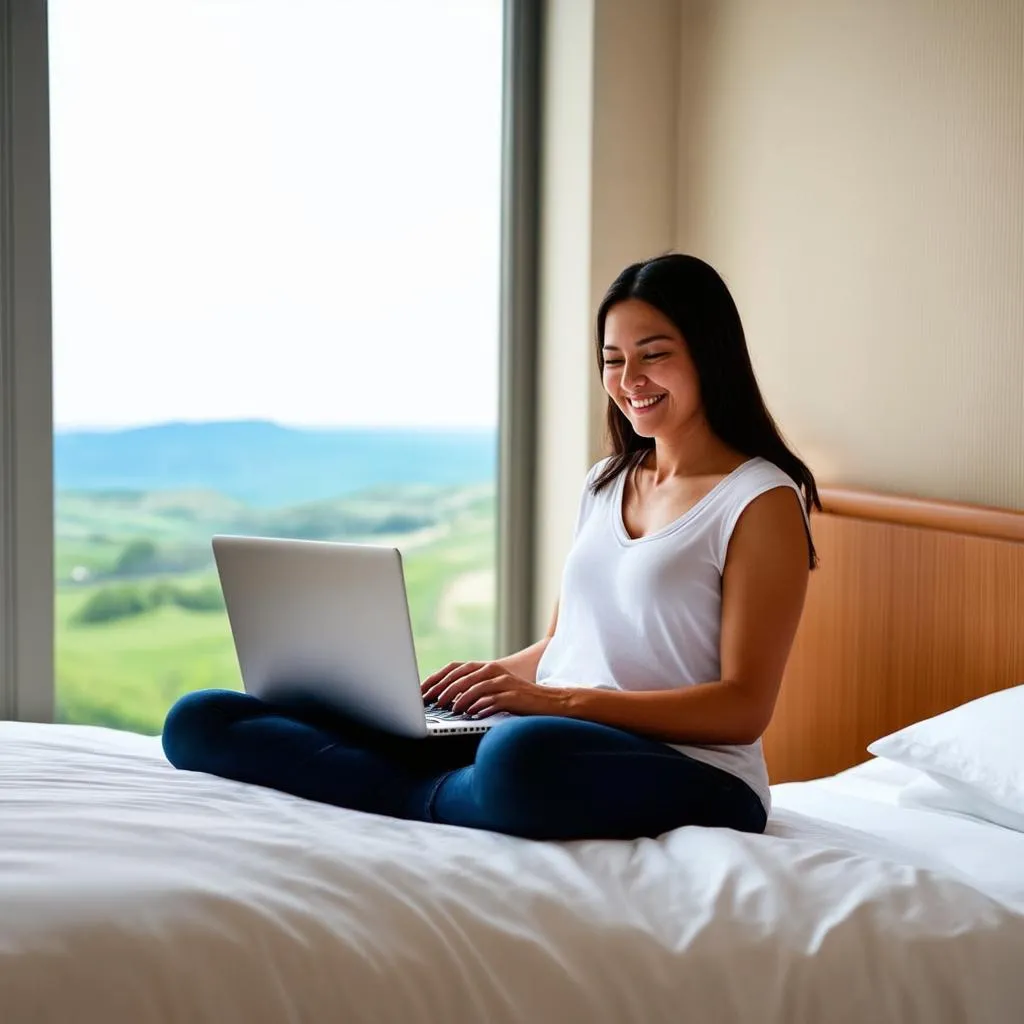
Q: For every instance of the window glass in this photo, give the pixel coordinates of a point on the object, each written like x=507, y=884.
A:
x=275, y=286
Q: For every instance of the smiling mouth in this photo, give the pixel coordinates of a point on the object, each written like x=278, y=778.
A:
x=644, y=403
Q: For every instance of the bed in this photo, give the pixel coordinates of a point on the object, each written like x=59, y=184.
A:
x=131, y=892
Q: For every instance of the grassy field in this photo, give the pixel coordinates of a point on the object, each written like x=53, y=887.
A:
x=126, y=673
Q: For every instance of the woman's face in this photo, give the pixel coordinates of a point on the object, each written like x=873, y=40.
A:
x=648, y=372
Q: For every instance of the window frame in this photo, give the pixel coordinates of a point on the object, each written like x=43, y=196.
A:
x=518, y=346
x=27, y=588
x=26, y=405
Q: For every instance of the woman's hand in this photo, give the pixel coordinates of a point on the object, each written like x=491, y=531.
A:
x=482, y=688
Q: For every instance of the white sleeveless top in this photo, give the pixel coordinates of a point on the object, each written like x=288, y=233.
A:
x=646, y=614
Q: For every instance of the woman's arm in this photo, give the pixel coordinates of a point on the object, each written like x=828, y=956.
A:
x=763, y=588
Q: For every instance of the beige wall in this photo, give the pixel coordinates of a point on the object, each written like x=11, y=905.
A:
x=855, y=169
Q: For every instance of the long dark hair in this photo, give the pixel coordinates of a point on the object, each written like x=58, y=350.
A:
x=693, y=296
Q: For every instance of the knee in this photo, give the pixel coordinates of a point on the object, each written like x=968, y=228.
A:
x=523, y=742
x=194, y=723
x=515, y=760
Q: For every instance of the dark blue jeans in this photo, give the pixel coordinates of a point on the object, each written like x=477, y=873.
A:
x=539, y=777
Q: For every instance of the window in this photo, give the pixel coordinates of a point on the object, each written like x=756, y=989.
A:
x=280, y=273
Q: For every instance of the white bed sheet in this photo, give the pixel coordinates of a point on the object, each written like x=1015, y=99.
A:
x=130, y=892
x=987, y=857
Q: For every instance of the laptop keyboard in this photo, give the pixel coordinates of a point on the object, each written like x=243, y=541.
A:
x=439, y=714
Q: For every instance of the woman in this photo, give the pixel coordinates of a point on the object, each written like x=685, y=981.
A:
x=642, y=708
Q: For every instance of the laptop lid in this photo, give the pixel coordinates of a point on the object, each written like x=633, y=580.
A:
x=317, y=621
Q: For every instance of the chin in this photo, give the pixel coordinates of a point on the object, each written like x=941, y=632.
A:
x=643, y=430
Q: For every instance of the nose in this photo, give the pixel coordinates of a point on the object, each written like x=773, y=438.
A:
x=631, y=376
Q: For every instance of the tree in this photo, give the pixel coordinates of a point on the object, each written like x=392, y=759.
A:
x=137, y=557
x=204, y=599
x=111, y=604
x=207, y=598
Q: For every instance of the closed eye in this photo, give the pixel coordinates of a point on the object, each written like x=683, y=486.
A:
x=647, y=357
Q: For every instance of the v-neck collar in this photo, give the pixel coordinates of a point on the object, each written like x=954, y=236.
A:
x=619, y=497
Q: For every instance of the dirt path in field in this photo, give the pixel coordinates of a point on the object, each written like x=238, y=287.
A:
x=471, y=588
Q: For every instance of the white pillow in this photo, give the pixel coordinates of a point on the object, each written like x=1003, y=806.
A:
x=977, y=748
x=925, y=793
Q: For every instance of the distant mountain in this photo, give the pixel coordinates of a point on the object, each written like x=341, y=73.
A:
x=267, y=465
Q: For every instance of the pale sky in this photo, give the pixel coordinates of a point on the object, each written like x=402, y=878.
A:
x=275, y=210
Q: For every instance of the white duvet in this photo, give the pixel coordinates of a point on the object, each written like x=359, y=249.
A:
x=130, y=892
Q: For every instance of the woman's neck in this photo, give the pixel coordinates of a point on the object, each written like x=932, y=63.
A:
x=700, y=453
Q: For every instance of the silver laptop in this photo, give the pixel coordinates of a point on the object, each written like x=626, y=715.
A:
x=329, y=623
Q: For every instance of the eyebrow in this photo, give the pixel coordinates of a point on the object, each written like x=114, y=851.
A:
x=643, y=341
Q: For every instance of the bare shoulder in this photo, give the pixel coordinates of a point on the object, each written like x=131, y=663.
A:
x=772, y=530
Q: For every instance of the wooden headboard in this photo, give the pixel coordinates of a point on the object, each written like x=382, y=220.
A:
x=916, y=606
